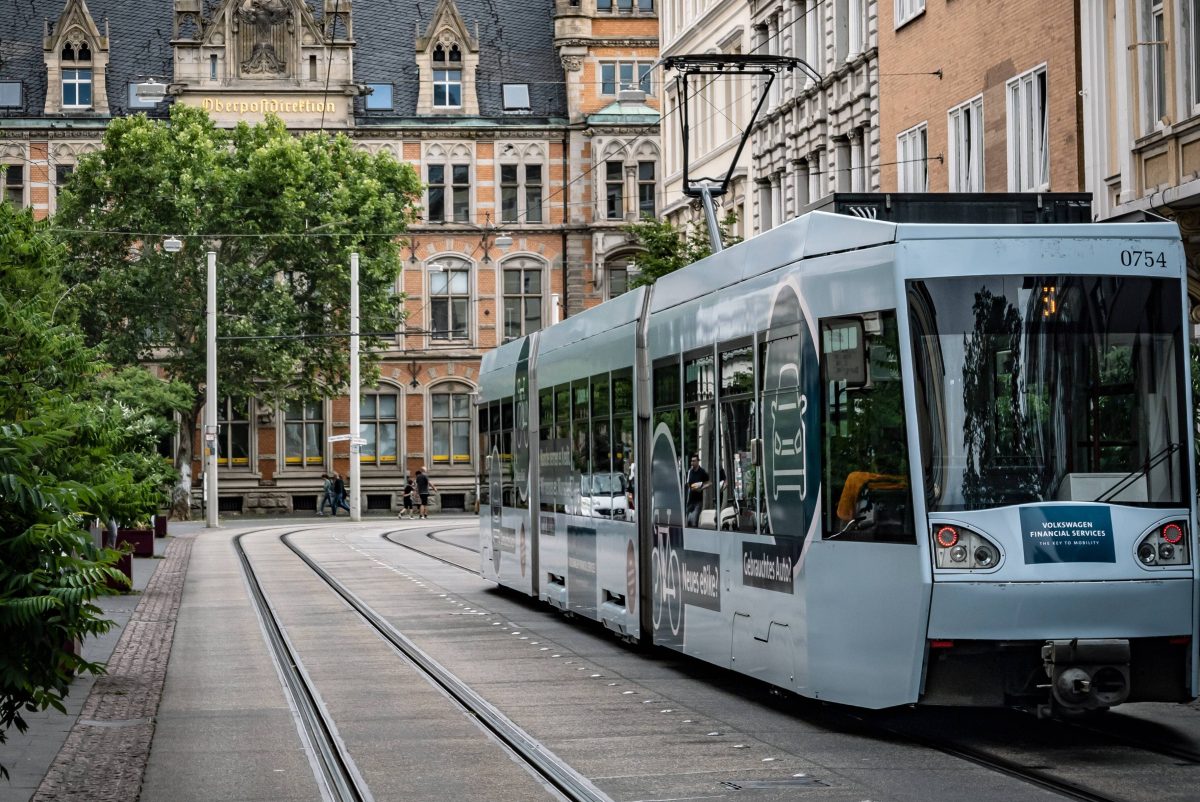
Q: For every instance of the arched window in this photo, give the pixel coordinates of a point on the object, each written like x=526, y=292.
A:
x=447, y=77
x=521, y=187
x=619, y=271
x=76, y=76
x=379, y=425
x=450, y=424
x=449, y=299
x=523, y=293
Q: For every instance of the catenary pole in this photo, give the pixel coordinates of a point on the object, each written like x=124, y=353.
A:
x=210, y=402
x=355, y=462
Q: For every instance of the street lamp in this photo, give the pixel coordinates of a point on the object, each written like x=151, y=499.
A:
x=150, y=91
x=172, y=244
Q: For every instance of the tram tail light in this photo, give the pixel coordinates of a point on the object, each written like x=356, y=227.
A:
x=1165, y=545
x=961, y=548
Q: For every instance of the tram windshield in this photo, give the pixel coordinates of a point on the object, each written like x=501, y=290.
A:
x=1049, y=388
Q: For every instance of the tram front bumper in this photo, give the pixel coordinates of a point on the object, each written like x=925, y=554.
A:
x=1008, y=611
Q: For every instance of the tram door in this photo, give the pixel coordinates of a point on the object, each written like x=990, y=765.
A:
x=866, y=581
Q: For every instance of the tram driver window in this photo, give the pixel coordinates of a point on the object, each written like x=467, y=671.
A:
x=865, y=457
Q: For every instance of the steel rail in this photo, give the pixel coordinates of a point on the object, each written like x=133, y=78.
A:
x=387, y=536
x=549, y=766
x=335, y=767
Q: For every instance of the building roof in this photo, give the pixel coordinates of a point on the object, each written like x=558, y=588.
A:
x=139, y=46
x=516, y=45
x=624, y=112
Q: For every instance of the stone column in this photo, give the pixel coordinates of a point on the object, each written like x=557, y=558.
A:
x=857, y=178
x=812, y=42
x=856, y=26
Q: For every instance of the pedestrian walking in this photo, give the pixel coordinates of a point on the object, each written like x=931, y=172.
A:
x=326, y=495
x=407, y=491
x=339, y=493
x=424, y=487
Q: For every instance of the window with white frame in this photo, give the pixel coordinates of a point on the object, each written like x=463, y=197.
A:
x=379, y=421
x=907, y=10
x=233, y=433
x=1154, y=61
x=1028, y=135
x=450, y=427
x=449, y=193
x=76, y=89
x=522, y=298
x=449, y=300
x=646, y=189
x=447, y=77
x=911, y=160
x=520, y=193
x=618, y=273
x=965, y=146
x=14, y=184
x=624, y=6
x=304, y=434
x=617, y=76
x=614, y=189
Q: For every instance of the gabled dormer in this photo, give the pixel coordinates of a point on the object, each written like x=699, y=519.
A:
x=447, y=57
x=76, y=56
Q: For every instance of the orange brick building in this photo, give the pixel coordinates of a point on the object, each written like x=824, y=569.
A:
x=979, y=97
x=526, y=127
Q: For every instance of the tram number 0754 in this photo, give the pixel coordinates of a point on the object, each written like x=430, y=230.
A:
x=1143, y=259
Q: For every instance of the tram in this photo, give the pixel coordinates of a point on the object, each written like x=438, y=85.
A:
x=871, y=463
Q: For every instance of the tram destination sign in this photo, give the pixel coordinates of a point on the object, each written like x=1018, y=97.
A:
x=1067, y=534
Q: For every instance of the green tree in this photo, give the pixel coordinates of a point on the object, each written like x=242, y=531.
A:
x=666, y=248
x=59, y=465
x=283, y=213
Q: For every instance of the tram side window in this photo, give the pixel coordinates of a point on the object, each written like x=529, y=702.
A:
x=506, y=452
x=702, y=477
x=562, y=446
x=600, y=488
x=667, y=413
x=739, y=495
x=622, y=432
x=485, y=450
x=546, y=448
x=865, y=459
x=581, y=429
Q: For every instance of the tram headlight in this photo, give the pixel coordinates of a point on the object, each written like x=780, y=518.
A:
x=960, y=548
x=1165, y=545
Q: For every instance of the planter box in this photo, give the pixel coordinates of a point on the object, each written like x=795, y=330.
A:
x=125, y=566
x=142, y=541
x=160, y=526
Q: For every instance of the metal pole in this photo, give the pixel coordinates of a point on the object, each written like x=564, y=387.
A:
x=210, y=401
x=355, y=462
x=710, y=217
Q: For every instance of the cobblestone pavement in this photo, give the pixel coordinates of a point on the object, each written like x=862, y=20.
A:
x=105, y=754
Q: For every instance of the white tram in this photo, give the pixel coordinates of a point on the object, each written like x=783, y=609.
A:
x=871, y=463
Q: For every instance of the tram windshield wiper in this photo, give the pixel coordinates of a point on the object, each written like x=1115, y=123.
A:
x=1126, y=481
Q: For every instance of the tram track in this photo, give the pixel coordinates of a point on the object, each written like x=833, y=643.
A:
x=842, y=718
x=335, y=768
x=432, y=536
x=531, y=752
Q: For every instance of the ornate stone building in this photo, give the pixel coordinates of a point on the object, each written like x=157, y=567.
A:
x=1141, y=115
x=815, y=137
x=511, y=117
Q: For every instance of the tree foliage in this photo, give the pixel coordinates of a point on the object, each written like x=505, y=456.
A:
x=283, y=213
x=667, y=248
x=59, y=464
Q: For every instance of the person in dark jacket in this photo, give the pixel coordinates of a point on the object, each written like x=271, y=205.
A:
x=339, y=493
x=424, y=487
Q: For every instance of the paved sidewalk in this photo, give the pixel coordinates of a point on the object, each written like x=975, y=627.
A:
x=49, y=742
